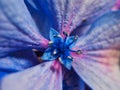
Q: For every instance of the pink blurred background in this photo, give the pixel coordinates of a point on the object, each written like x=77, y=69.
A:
x=117, y=5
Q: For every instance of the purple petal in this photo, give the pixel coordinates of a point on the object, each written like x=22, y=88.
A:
x=99, y=63
x=17, y=61
x=81, y=30
x=45, y=76
x=99, y=72
x=104, y=34
x=68, y=14
x=17, y=29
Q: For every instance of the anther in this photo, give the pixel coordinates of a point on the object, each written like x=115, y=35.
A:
x=79, y=52
x=60, y=59
x=65, y=33
x=57, y=35
x=84, y=20
x=76, y=37
x=71, y=58
x=55, y=52
x=35, y=50
x=51, y=42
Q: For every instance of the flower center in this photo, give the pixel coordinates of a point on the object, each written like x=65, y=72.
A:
x=60, y=48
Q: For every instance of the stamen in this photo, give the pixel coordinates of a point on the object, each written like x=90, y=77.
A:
x=35, y=50
x=65, y=33
x=76, y=37
x=51, y=42
x=57, y=35
x=55, y=52
x=60, y=59
x=78, y=52
x=72, y=50
x=71, y=58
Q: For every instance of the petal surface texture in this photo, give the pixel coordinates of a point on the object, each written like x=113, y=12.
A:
x=41, y=19
x=99, y=63
x=17, y=29
x=46, y=76
x=72, y=81
x=17, y=61
x=68, y=14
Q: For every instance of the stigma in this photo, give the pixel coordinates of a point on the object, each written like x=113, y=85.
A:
x=59, y=48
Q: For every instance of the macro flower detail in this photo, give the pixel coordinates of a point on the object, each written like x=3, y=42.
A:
x=59, y=45
x=59, y=48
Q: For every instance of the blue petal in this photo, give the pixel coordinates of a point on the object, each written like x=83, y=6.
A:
x=17, y=62
x=65, y=60
x=53, y=33
x=55, y=36
x=42, y=21
x=17, y=29
x=70, y=39
x=48, y=54
x=2, y=74
x=51, y=14
x=32, y=4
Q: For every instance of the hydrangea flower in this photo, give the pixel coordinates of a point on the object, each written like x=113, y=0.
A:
x=83, y=35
